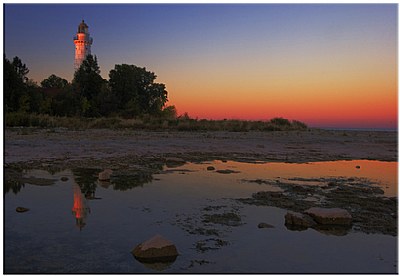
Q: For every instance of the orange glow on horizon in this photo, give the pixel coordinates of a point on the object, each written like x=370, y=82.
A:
x=364, y=99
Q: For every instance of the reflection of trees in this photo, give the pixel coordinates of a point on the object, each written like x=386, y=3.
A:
x=123, y=182
x=13, y=181
x=86, y=179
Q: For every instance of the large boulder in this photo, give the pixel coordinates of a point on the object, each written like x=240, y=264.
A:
x=330, y=216
x=298, y=219
x=157, y=249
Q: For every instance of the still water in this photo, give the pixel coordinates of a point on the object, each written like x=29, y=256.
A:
x=77, y=224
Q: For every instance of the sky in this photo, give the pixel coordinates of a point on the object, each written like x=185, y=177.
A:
x=328, y=65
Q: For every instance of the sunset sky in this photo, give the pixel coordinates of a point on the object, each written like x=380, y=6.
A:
x=329, y=65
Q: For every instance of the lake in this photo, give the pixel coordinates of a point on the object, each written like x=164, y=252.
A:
x=77, y=224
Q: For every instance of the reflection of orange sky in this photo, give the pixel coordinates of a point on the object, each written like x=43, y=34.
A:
x=384, y=173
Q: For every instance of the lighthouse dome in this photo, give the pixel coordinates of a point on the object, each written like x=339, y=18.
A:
x=83, y=28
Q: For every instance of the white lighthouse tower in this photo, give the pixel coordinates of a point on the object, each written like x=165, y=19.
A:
x=82, y=42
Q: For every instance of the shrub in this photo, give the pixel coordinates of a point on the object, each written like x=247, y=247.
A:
x=299, y=125
x=147, y=122
x=280, y=122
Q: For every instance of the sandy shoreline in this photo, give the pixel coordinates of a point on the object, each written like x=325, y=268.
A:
x=24, y=145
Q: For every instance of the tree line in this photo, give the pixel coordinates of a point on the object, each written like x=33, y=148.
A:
x=131, y=91
x=91, y=101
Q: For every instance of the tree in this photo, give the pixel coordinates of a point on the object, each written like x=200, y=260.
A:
x=54, y=81
x=20, y=68
x=88, y=82
x=136, y=91
x=14, y=83
x=106, y=101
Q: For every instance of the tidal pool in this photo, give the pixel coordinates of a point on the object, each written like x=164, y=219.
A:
x=77, y=224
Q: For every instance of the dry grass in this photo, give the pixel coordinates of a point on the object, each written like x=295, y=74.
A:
x=20, y=119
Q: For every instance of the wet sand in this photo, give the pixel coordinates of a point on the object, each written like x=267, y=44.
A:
x=68, y=146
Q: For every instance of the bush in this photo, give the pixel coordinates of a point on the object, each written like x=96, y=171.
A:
x=299, y=125
x=14, y=119
x=147, y=122
x=281, y=122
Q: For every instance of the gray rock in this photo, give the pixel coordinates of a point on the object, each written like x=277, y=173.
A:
x=330, y=216
x=21, y=209
x=156, y=249
x=173, y=162
x=298, y=219
x=265, y=225
x=227, y=171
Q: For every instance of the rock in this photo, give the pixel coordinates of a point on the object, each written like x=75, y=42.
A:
x=311, y=199
x=226, y=171
x=21, y=209
x=210, y=168
x=229, y=219
x=358, y=167
x=156, y=249
x=331, y=216
x=105, y=175
x=265, y=225
x=64, y=178
x=298, y=219
x=172, y=162
x=268, y=195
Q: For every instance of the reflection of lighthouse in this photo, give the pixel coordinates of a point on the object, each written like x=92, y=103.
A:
x=80, y=209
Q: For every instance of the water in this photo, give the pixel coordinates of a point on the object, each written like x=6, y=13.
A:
x=84, y=226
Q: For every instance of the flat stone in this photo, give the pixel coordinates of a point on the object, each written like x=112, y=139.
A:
x=105, y=175
x=330, y=216
x=174, y=160
x=156, y=249
x=265, y=225
x=21, y=209
x=227, y=171
x=298, y=219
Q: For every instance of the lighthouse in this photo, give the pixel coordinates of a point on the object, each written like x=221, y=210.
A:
x=82, y=41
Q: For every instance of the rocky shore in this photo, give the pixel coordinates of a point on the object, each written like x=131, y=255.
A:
x=30, y=144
